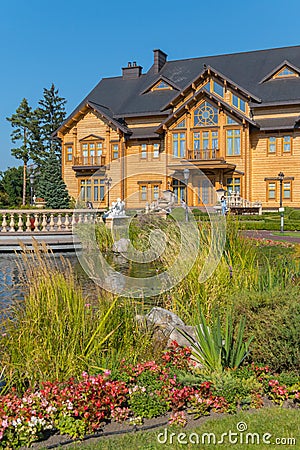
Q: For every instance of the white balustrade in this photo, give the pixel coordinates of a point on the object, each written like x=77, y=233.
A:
x=44, y=221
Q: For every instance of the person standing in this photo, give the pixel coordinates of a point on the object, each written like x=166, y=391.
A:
x=223, y=205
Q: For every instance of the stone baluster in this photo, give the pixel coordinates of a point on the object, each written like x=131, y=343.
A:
x=86, y=218
x=4, y=224
x=28, y=223
x=59, y=222
x=73, y=220
x=44, y=223
x=67, y=222
x=12, y=223
x=36, y=223
x=51, y=222
x=80, y=218
x=20, y=224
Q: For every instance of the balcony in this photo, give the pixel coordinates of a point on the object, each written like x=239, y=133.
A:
x=88, y=162
x=203, y=154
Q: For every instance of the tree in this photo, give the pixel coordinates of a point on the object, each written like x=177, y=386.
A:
x=50, y=115
x=51, y=186
x=11, y=185
x=25, y=128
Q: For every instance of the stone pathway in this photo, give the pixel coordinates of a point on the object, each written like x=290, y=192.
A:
x=264, y=234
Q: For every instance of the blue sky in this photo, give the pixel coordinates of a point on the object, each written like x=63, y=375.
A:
x=76, y=43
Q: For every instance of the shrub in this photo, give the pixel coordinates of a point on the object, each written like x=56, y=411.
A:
x=274, y=319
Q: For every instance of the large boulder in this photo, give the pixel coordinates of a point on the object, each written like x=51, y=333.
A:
x=166, y=326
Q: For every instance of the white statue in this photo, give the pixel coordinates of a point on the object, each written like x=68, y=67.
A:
x=117, y=210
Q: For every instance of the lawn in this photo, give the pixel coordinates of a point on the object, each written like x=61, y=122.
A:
x=278, y=427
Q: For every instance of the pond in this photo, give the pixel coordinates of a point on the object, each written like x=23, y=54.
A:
x=12, y=288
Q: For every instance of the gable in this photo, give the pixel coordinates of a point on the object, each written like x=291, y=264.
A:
x=91, y=137
x=160, y=84
x=204, y=112
x=283, y=70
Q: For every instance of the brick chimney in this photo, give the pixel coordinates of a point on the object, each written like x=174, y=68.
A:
x=131, y=71
x=160, y=59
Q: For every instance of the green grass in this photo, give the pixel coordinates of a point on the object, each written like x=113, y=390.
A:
x=288, y=233
x=279, y=423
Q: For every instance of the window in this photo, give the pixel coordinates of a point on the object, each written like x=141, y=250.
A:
x=272, y=145
x=99, y=189
x=238, y=103
x=155, y=150
x=205, y=144
x=179, y=145
x=143, y=192
x=91, y=152
x=92, y=189
x=205, y=115
x=155, y=192
x=233, y=142
x=179, y=189
x=99, y=148
x=69, y=153
x=286, y=72
x=233, y=184
x=287, y=144
x=205, y=192
x=218, y=89
x=181, y=124
x=230, y=121
x=287, y=190
x=206, y=86
x=115, y=151
x=162, y=85
x=149, y=190
x=144, y=151
x=271, y=190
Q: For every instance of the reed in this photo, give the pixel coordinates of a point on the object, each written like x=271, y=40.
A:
x=57, y=332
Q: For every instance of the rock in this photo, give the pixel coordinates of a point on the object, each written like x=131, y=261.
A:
x=181, y=340
x=121, y=246
x=166, y=325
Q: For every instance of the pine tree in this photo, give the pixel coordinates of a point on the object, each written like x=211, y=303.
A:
x=50, y=115
x=11, y=185
x=25, y=127
x=51, y=186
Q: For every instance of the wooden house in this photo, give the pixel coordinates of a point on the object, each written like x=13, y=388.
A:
x=234, y=118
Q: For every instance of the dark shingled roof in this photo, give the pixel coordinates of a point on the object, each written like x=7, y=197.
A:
x=143, y=133
x=120, y=97
x=277, y=123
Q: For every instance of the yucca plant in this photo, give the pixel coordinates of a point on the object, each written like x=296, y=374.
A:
x=216, y=350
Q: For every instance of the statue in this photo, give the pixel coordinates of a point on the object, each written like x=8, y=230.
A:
x=117, y=210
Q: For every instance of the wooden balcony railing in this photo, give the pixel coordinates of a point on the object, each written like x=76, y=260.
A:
x=207, y=153
x=89, y=161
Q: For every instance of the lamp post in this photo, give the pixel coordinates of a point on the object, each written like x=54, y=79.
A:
x=281, y=209
x=186, y=175
x=108, y=181
x=31, y=178
x=281, y=178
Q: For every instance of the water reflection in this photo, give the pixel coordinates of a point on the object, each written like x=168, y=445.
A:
x=12, y=286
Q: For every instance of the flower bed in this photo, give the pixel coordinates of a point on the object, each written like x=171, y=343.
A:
x=146, y=390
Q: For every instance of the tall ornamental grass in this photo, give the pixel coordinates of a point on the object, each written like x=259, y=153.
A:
x=57, y=333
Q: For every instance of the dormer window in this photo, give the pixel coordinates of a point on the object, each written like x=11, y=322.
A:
x=285, y=72
x=161, y=85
